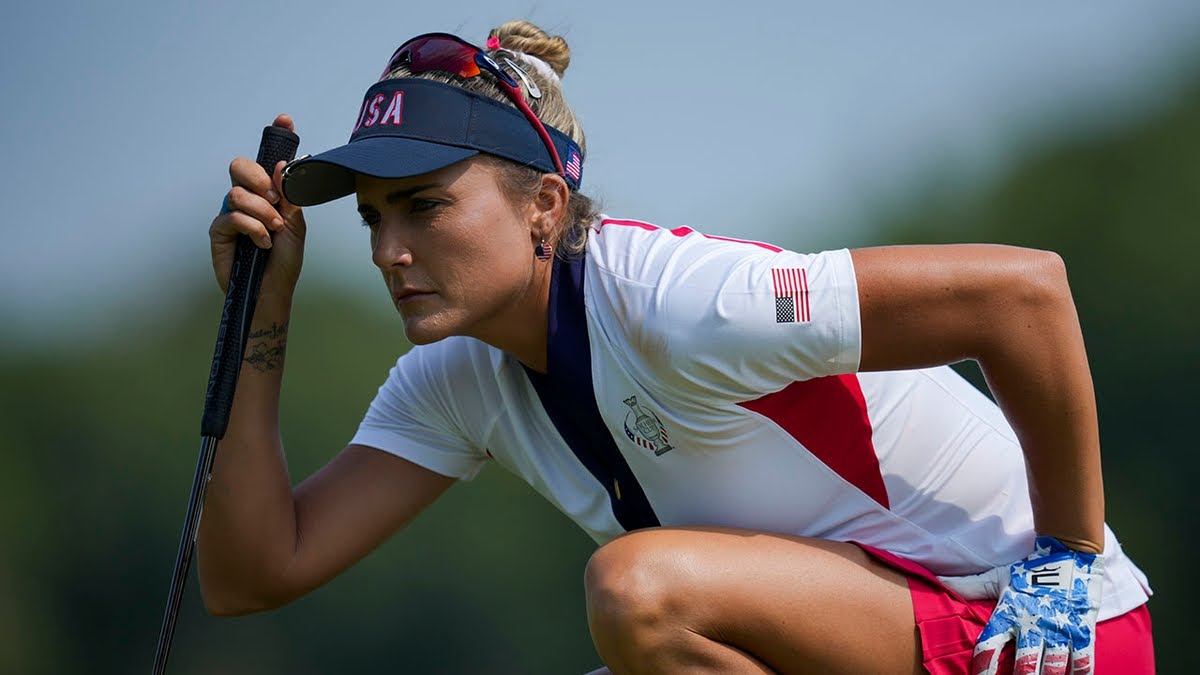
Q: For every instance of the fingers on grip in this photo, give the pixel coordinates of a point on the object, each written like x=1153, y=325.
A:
x=284, y=121
x=248, y=213
x=247, y=174
x=249, y=226
x=256, y=207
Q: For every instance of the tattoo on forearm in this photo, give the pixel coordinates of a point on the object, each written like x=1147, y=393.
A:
x=276, y=331
x=267, y=347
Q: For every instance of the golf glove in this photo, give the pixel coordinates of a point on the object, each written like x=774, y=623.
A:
x=1048, y=604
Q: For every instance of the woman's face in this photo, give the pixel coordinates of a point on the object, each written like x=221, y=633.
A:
x=455, y=252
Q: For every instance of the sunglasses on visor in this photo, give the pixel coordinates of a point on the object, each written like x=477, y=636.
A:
x=450, y=54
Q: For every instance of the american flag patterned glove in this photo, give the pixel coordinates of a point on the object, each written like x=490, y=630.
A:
x=1049, y=609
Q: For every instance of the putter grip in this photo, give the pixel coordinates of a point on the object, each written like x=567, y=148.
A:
x=245, y=277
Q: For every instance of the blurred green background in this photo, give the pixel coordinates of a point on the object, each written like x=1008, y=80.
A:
x=99, y=444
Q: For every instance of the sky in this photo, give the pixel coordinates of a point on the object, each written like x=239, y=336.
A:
x=782, y=121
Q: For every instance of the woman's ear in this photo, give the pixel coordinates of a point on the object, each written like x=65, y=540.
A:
x=549, y=206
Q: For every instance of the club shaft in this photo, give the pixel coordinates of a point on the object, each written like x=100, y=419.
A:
x=183, y=558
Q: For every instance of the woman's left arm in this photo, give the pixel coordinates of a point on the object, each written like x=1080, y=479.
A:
x=1011, y=310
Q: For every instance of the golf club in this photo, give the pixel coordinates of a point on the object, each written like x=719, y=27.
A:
x=236, y=316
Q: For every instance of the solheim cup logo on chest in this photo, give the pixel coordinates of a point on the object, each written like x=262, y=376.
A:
x=643, y=427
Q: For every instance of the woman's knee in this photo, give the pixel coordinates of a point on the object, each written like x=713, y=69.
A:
x=633, y=587
x=664, y=597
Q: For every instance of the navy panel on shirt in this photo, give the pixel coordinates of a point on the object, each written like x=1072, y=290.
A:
x=568, y=396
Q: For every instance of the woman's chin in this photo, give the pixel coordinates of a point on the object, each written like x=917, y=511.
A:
x=423, y=330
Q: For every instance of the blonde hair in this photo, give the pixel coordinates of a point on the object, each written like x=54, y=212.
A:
x=522, y=41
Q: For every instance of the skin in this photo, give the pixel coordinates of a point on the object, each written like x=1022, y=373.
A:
x=663, y=600
x=456, y=255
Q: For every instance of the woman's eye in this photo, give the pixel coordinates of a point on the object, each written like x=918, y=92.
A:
x=371, y=221
x=424, y=205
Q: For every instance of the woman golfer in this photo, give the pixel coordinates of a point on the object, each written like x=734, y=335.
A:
x=781, y=472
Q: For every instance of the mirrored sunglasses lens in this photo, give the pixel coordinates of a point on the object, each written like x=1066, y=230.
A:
x=443, y=54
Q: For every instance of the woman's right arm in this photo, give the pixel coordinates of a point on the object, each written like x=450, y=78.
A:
x=262, y=544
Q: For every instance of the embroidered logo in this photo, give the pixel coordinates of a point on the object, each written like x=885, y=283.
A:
x=643, y=427
x=369, y=114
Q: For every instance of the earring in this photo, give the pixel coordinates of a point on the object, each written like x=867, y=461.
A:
x=543, y=251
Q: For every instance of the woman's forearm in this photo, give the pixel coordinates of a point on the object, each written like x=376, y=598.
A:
x=1011, y=310
x=248, y=530
x=1037, y=368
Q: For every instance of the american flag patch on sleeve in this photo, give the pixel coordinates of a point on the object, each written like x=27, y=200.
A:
x=791, y=294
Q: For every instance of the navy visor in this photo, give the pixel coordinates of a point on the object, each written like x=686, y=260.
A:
x=409, y=126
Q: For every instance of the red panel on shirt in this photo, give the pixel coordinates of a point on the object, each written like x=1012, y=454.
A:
x=828, y=416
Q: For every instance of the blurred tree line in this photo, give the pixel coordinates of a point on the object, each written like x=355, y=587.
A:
x=100, y=442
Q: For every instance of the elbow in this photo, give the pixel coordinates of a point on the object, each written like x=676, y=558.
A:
x=231, y=587
x=224, y=607
x=1027, y=300
x=229, y=604
x=1036, y=283
x=230, y=601
x=1049, y=279
x=220, y=602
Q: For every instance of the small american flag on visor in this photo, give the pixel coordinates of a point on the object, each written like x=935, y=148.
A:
x=573, y=167
x=791, y=294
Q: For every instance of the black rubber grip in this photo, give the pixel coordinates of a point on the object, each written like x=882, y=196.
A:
x=245, y=277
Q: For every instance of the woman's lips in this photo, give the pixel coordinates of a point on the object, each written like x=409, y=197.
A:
x=407, y=296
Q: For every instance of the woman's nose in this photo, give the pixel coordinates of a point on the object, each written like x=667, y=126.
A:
x=389, y=248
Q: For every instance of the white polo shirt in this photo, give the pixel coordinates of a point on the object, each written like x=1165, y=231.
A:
x=698, y=380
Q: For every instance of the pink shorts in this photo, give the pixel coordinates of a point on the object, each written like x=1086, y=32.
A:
x=949, y=626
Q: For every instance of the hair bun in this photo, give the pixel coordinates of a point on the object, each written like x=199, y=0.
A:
x=525, y=37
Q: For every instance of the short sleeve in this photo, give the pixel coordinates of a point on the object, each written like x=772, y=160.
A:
x=743, y=320
x=410, y=417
